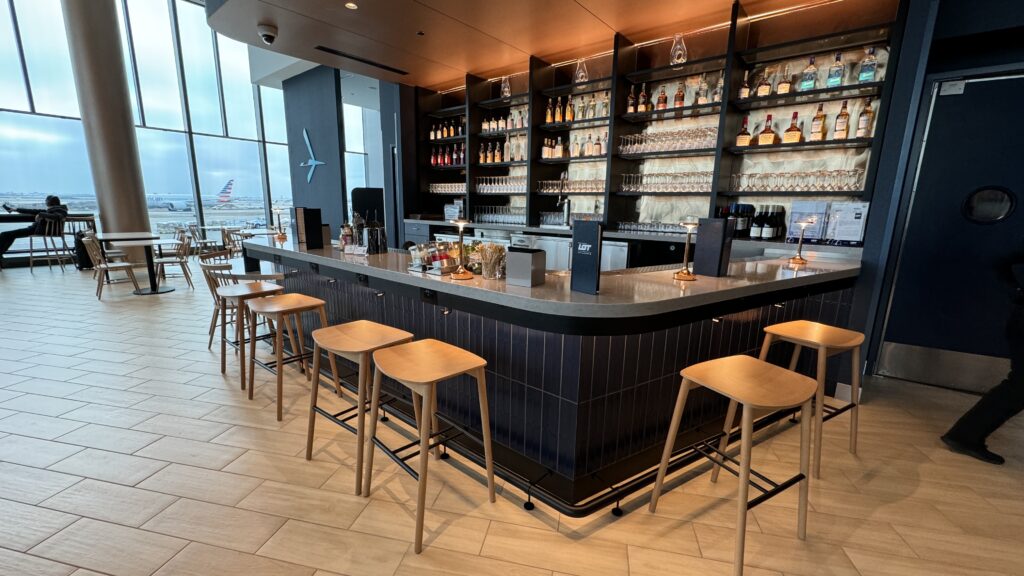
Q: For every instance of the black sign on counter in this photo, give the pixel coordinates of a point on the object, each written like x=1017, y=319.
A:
x=586, y=257
x=714, y=246
x=307, y=224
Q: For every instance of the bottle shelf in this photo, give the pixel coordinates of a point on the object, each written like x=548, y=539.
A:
x=599, y=85
x=447, y=140
x=600, y=158
x=498, y=134
x=556, y=194
x=754, y=194
x=824, y=145
x=636, y=194
x=871, y=35
x=575, y=124
x=459, y=110
x=501, y=193
x=689, y=68
x=692, y=111
x=502, y=164
x=670, y=154
x=446, y=193
x=449, y=168
x=849, y=92
x=513, y=100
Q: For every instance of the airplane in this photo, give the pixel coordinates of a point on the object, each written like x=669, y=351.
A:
x=185, y=202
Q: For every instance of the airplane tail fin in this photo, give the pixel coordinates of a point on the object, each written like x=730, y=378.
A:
x=225, y=192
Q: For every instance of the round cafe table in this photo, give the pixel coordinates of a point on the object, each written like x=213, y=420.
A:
x=148, y=244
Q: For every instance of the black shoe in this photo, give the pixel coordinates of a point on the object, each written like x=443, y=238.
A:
x=980, y=452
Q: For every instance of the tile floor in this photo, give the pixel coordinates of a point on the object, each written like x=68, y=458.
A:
x=124, y=452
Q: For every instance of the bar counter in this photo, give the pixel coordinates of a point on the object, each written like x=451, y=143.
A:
x=581, y=387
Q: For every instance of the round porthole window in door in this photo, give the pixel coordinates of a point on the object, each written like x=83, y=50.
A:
x=989, y=204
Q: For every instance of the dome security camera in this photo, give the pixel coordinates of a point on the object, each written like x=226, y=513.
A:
x=268, y=32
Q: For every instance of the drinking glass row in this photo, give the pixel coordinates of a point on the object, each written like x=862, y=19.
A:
x=667, y=182
x=501, y=185
x=453, y=188
x=652, y=227
x=515, y=215
x=566, y=186
x=669, y=140
x=811, y=180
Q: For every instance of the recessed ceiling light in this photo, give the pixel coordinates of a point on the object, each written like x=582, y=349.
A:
x=351, y=5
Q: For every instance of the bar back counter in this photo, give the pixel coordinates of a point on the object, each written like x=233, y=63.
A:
x=581, y=387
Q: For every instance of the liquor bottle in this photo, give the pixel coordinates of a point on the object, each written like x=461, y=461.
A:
x=503, y=124
x=549, y=116
x=743, y=138
x=785, y=83
x=767, y=134
x=457, y=157
x=597, y=146
x=461, y=122
x=433, y=156
x=764, y=87
x=809, y=77
x=631, y=101
x=574, y=147
x=702, y=90
x=793, y=133
x=433, y=129
x=679, y=100
x=818, y=125
x=558, y=110
x=602, y=106
x=447, y=156
x=570, y=110
x=490, y=153
x=592, y=108
x=836, y=72
x=716, y=94
x=864, y=121
x=868, y=66
x=641, y=103
x=757, y=224
x=662, y=100
x=588, y=149
x=559, y=149
x=498, y=156
x=483, y=153
x=842, y=127
x=745, y=88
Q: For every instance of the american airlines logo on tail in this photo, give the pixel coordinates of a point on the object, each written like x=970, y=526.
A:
x=225, y=192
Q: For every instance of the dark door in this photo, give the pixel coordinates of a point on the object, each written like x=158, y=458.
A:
x=953, y=287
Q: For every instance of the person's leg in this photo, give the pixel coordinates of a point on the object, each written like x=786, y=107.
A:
x=1002, y=402
x=8, y=237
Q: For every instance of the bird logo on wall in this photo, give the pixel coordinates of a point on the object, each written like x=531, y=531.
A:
x=312, y=163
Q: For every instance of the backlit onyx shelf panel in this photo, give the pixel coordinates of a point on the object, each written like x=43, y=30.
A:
x=513, y=100
x=850, y=92
x=797, y=146
x=575, y=124
x=690, y=68
x=599, y=85
x=669, y=154
x=672, y=113
x=501, y=134
x=601, y=158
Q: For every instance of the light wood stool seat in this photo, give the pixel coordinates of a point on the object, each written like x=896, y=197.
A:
x=757, y=385
x=236, y=296
x=354, y=341
x=280, y=310
x=828, y=341
x=419, y=366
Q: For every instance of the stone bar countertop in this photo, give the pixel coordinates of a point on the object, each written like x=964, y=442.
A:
x=630, y=293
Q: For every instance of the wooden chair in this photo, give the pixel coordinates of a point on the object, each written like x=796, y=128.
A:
x=757, y=385
x=103, y=268
x=53, y=230
x=828, y=341
x=179, y=259
x=420, y=366
x=202, y=244
x=354, y=341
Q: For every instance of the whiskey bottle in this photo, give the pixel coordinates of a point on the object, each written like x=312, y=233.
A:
x=745, y=88
x=818, y=125
x=574, y=147
x=447, y=156
x=743, y=138
x=842, y=127
x=602, y=108
x=588, y=149
x=662, y=100
x=489, y=158
x=433, y=129
x=597, y=146
x=559, y=149
x=591, y=108
x=716, y=94
x=785, y=83
x=864, y=121
x=764, y=87
x=483, y=153
x=793, y=133
x=558, y=110
x=767, y=135
x=631, y=101
x=433, y=156
x=868, y=66
x=549, y=116
x=461, y=122
x=570, y=110
x=499, y=154
x=836, y=72
x=679, y=99
x=702, y=90
x=641, y=103
x=809, y=77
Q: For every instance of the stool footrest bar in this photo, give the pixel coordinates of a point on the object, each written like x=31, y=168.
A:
x=775, y=491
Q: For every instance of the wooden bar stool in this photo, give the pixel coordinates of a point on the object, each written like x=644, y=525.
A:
x=236, y=296
x=757, y=385
x=279, y=310
x=828, y=341
x=419, y=366
x=353, y=341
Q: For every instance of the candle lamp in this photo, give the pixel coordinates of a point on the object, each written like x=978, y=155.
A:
x=461, y=273
x=690, y=223
x=799, y=258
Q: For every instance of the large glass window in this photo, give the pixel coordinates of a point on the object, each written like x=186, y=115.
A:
x=150, y=25
x=274, y=129
x=12, y=82
x=229, y=182
x=169, y=198
x=279, y=172
x=47, y=56
x=127, y=55
x=238, y=101
x=200, y=68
